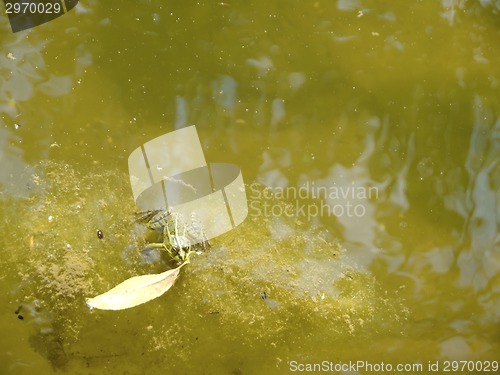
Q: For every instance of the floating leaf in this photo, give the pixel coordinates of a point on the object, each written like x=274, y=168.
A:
x=135, y=291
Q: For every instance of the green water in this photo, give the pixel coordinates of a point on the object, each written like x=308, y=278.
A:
x=320, y=101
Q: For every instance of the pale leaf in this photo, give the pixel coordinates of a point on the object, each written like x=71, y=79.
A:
x=135, y=291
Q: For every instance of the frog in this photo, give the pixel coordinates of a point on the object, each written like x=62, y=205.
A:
x=180, y=239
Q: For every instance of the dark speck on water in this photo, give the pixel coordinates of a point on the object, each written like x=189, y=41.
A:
x=20, y=317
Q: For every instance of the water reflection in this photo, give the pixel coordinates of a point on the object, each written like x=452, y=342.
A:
x=15, y=175
x=477, y=204
x=479, y=260
x=24, y=80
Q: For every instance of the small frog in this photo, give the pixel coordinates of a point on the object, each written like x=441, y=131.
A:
x=179, y=238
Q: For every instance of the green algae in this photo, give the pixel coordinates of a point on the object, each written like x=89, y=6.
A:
x=279, y=282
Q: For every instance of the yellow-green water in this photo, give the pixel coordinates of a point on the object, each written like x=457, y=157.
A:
x=399, y=97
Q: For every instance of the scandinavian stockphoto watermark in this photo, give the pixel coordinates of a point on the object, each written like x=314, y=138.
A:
x=310, y=200
x=170, y=173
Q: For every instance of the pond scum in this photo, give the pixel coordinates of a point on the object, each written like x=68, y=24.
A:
x=272, y=289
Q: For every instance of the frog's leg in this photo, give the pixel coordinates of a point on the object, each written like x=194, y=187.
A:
x=151, y=246
x=155, y=245
x=169, y=244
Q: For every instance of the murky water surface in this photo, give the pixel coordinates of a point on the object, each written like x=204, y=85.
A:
x=368, y=136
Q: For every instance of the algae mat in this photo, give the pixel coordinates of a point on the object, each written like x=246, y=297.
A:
x=278, y=285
